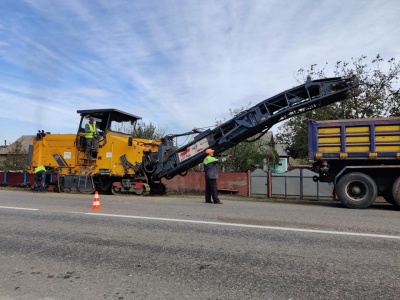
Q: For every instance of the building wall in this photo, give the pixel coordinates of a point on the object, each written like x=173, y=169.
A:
x=282, y=166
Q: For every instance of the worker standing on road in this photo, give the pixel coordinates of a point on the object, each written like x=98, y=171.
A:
x=211, y=175
x=90, y=133
x=40, y=175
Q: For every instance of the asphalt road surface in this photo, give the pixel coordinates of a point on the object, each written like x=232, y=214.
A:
x=54, y=246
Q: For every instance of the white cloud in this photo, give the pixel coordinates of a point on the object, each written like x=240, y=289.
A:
x=180, y=64
x=91, y=92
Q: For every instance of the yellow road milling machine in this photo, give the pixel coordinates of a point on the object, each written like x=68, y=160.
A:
x=116, y=162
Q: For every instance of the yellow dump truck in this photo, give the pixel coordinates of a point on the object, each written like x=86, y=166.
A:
x=360, y=157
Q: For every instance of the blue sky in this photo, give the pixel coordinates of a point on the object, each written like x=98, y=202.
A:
x=180, y=64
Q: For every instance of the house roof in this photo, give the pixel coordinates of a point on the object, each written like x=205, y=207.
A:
x=3, y=149
x=280, y=148
x=25, y=141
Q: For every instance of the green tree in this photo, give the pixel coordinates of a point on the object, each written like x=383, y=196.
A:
x=16, y=158
x=250, y=155
x=378, y=96
x=270, y=154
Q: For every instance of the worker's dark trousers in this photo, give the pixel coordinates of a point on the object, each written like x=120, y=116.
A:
x=211, y=190
x=89, y=148
x=40, y=176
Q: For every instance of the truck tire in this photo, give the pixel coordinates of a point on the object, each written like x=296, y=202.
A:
x=389, y=198
x=356, y=190
x=396, y=191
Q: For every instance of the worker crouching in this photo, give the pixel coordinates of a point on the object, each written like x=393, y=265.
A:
x=40, y=179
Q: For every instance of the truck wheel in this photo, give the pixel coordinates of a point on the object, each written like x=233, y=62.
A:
x=357, y=190
x=115, y=190
x=158, y=189
x=396, y=191
x=389, y=198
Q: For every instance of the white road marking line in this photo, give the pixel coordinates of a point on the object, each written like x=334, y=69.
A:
x=231, y=224
x=252, y=226
x=21, y=208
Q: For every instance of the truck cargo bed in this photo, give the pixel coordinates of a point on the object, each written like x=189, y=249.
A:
x=374, y=138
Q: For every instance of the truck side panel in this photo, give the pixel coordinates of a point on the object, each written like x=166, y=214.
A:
x=377, y=138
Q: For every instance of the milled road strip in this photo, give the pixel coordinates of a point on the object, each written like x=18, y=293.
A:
x=383, y=236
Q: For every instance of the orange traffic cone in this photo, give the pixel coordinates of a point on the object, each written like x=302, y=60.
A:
x=96, y=201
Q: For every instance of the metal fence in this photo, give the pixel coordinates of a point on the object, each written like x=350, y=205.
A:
x=294, y=184
x=297, y=183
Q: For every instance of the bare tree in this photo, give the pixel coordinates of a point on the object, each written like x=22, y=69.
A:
x=149, y=131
